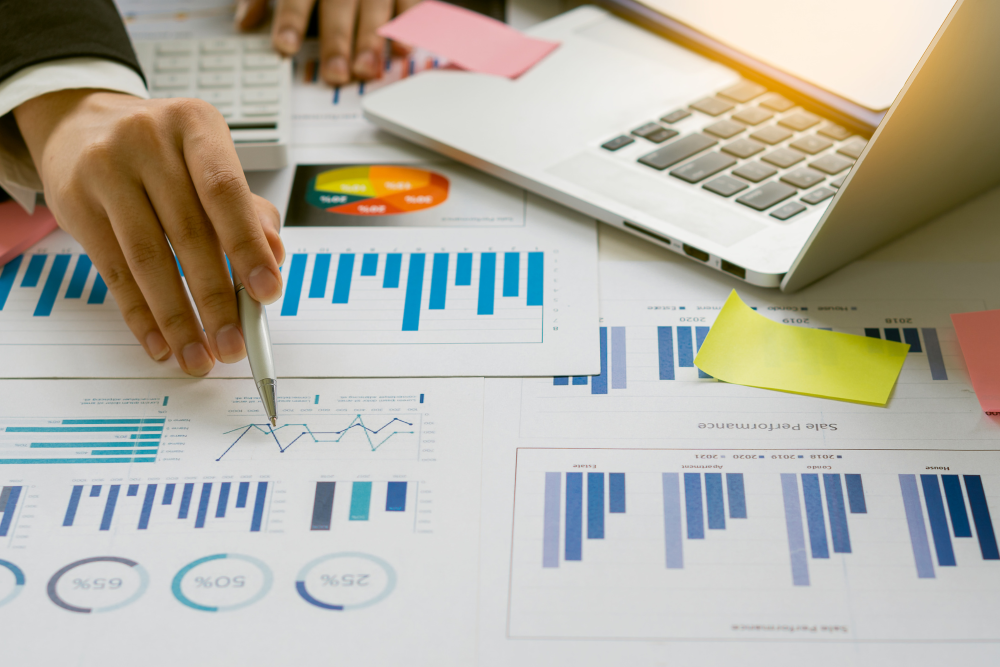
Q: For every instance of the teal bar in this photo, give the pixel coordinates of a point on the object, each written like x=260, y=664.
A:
x=78, y=445
x=146, y=436
x=36, y=461
x=113, y=421
x=361, y=496
x=122, y=452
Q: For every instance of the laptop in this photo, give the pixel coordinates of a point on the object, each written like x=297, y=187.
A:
x=774, y=176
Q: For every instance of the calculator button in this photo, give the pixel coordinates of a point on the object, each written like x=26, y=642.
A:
x=771, y=135
x=777, y=103
x=261, y=61
x=788, y=210
x=676, y=151
x=260, y=96
x=725, y=186
x=803, y=177
x=839, y=182
x=260, y=110
x=811, y=144
x=217, y=63
x=832, y=164
x=800, y=120
x=255, y=44
x=703, y=167
x=216, y=80
x=713, y=106
x=226, y=110
x=743, y=148
x=216, y=97
x=675, y=116
x=767, y=195
x=753, y=115
x=783, y=157
x=175, y=48
x=834, y=132
x=725, y=128
x=173, y=64
x=755, y=171
x=260, y=78
x=818, y=195
x=172, y=81
x=744, y=91
x=853, y=148
x=653, y=132
x=216, y=46
x=614, y=144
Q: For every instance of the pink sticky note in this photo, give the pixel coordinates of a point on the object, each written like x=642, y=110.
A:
x=469, y=40
x=979, y=336
x=19, y=231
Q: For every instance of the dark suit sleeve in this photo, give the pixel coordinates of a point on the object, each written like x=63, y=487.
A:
x=35, y=31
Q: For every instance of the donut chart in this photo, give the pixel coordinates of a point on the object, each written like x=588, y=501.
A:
x=375, y=190
x=18, y=581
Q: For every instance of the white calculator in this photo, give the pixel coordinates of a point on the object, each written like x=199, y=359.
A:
x=241, y=76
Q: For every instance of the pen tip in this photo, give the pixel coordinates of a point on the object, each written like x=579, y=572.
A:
x=274, y=421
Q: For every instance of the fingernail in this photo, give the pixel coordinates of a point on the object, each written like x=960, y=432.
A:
x=366, y=64
x=230, y=343
x=157, y=347
x=288, y=41
x=265, y=285
x=197, y=360
x=336, y=70
x=241, y=11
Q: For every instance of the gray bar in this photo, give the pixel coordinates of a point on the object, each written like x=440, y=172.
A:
x=323, y=505
x=915, y=522
x=934, y=357
x=672, y=520
x=550, y=530
x=796, y=536
x=618, y=376
x=4, y=495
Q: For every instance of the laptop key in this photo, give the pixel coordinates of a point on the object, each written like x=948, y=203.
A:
x=771, y=135
x=839, y=182
x=853, y=148
x=803, y=177
x=818, y=195
x=776, y=102
x=834, y=132
x=811, y=144
x=743, y=92
x=799, y=121
x=767, y=195
x=784, y=157
x=678, y=150
x=743, y=148
x=703, y=167
x=675, y=116
x=726, y=186
x=831, y=164
x=713, y=106
x=655, y=133
x=755, y=171
x=617, y=142
x=725, y=128
x=788, y=210
x=753, y=115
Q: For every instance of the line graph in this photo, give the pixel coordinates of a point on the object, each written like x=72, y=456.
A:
x=285, y=436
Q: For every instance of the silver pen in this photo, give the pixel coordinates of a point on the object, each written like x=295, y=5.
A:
x=257, y=336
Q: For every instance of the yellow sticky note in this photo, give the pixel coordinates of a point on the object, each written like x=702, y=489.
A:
x=749, y=349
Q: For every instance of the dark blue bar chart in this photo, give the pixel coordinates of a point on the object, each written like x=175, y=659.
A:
x=619, y=542
x=415, y=297
x=170, y=506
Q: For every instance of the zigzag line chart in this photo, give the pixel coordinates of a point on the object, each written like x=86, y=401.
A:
x=285, y=436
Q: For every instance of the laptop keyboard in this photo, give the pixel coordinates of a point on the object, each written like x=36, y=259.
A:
x=774, y=157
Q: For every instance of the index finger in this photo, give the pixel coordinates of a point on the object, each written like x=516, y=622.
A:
x=222, y=188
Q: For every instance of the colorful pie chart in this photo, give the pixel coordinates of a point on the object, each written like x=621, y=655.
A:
x=377, y=190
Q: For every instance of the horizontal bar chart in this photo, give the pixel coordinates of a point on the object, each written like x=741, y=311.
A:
x=106, y=440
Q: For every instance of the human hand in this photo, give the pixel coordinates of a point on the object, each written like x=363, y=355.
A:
x=124, y=176
x=343, y=50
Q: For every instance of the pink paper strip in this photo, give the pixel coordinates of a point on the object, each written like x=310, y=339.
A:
x=469, y=40
x=19, y=231
x=979, y=336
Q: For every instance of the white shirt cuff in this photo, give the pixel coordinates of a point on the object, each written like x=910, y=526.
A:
x=17, y=173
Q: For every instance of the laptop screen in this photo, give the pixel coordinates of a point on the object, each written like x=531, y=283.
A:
x=860, y=50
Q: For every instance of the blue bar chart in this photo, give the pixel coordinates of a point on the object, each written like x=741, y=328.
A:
x=337, y=506
x=169, y=507
x=417, y=297
x=48, y=441
x=10, y=496
x=624, y=545
x=43, y=276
